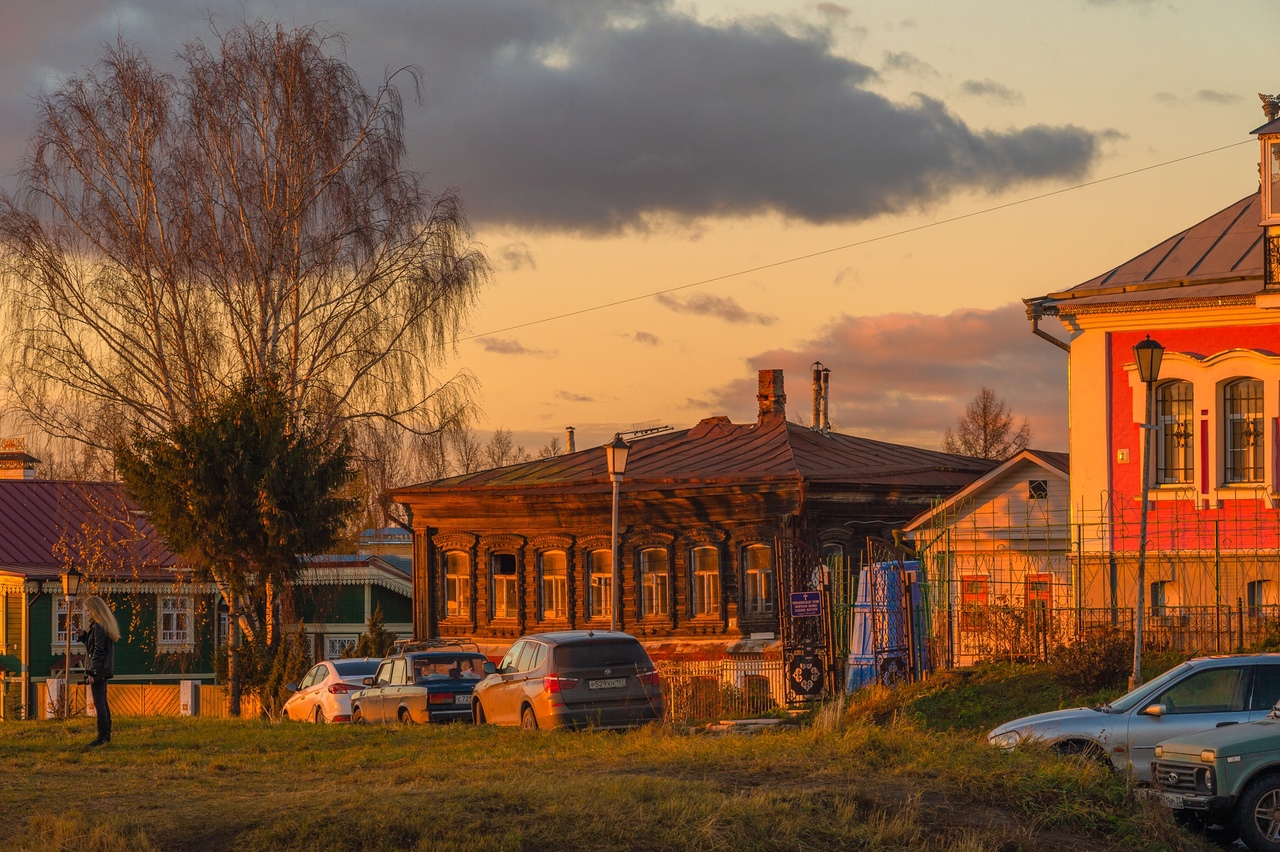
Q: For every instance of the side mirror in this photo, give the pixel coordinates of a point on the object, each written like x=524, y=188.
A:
x=490, y=668
x=291, y=687
x=367, y=681
x=1156, y=710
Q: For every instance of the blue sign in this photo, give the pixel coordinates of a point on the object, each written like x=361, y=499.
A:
x=806, y=604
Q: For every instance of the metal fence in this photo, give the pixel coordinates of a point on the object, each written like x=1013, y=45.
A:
x=711, y=690
x=146, y=699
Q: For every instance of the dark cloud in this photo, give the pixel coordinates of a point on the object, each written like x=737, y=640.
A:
x=1204, y=96
x=582, y=116
x=646, y=338
x=1211, y=96
x=720, y=307
x=991, y=90
x=503, y=346
x=907, y=377
x=834, y=10
x=908, y=63
x=574, y=397
x=515, y=256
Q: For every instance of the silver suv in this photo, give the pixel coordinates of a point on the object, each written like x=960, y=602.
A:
x=1198, y=695
x=571, y=678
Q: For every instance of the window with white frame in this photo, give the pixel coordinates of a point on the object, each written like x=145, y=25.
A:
x=600, y=592
x=1174, y=445
x=655, y=583
x=78, y=620
x=502, y=570
x=1242, y=411
x=1260, y=595
x=704, y=588
x=457, y=584
x=553, y=567
x=336, y=646
x=174, y=623
x=757, y=587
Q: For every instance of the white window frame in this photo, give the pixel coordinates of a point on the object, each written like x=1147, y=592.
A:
x=600, y=596
x=554, y=586
x=757, y=586
x=508, y=583
x=457, y=586
x=174, y=639
x=704, y=585
x=78, y=621
x=655, y=586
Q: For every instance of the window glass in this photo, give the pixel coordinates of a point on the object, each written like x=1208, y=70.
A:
x=1159, y=599
x=975, y=600
x=1218, y=690
x=555, y=584
x=1038, y=489
x=399, y=671
x=78, y=620
x=384, y=673
x=316, y=675
x=505, y=602
x=175, y=620
x=524, y=660
x=1174, y=432
x=355, y=668
x=457, y=585
x=758, y=579
x=536, y=659
x=1266, y=687
x=1242, y=407
x=704, y=588
x=602, y=654
x=1273, y=175
x=600, y=593
x=655, y=583
x=513, y=654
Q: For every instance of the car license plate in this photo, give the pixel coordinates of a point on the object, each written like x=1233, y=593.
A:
x=1171, y=800
x=608, y=683
x=462, y=698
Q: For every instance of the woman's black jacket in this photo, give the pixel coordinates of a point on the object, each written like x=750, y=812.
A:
x=100, y=654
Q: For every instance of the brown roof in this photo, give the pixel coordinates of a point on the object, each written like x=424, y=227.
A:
x=46, y=525
x=1220, y=257
x=718, y=452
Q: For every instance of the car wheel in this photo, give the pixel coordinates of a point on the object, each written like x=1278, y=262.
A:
x=477, y=713
x=1258, y=814
x=405, y=717
x=1217, y=829
x=528, y=720
x=1090, y=752
x=357, y=718
x=318, y=716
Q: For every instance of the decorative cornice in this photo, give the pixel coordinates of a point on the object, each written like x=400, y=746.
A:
x=650, y=537
x=704, y=535
x=551, y=541
x=755, y=534
x=502, y=541
x=454, y=540
x=597, y=541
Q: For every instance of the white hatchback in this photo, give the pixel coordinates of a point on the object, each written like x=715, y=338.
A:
x=324, y=694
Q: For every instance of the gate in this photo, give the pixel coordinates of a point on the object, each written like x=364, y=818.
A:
x=805, y=613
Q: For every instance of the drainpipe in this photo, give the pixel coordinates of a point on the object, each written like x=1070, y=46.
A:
x=1034, y=313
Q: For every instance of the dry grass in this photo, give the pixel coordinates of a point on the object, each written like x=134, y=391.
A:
x=842, y=783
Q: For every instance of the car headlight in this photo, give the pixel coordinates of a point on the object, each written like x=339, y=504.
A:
x=1005, y=739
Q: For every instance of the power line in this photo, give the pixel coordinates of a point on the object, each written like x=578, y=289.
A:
x=869, y=240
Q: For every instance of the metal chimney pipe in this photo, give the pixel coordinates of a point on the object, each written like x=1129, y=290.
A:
x=568, y=439
x=815, y=420
x=826, y=399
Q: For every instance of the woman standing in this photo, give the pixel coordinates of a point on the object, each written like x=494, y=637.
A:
x=99, y=645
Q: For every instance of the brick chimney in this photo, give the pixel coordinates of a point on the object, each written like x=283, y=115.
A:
x=772, y=397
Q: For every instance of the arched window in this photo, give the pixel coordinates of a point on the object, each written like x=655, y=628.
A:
x=655, y=582
x=457, y=584
x=1242, y=409
x=704, y=581
x=757, y=587
x=600, y=587
x=554, y=569
x=1174, y=444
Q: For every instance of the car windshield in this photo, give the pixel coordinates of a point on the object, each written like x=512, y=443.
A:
x=449, y=666
x=584, y=655
x=355, y=668
x=1130, y=699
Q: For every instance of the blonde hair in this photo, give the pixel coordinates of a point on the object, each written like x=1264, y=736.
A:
x=98, y=611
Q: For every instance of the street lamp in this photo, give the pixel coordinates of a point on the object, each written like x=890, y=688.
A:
x=70, y=588
x=1148, y=354
x=615, y=454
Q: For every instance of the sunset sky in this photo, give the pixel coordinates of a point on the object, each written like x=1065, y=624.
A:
x=765, y=184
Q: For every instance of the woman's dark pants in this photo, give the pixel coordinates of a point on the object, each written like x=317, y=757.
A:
x=99, y=690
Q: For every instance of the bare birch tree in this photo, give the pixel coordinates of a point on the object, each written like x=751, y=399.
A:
x=248, y=218
x=986, y=429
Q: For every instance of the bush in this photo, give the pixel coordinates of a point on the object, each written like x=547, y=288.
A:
x=1101, y=660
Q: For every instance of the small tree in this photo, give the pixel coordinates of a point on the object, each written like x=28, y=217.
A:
x=376, y=641
x=986, y=429
x=290, y=662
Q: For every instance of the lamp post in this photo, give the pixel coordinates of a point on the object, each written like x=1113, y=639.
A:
x=70, y=588
x=615, y=454
x=1148, y=353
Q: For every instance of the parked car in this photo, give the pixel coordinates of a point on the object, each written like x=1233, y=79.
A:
x=572, y=678
x=1225, y=781
x=1198, y=695
x=422, y=682
x=324, y=693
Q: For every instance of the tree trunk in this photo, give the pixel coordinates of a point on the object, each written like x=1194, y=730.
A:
x=233, y=659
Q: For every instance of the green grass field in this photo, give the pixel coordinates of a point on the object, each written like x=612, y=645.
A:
x=877, y=775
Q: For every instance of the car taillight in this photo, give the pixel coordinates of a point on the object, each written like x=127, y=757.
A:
x=440, y=698
x=343, y=688
x=648, y=677
x=555, y=684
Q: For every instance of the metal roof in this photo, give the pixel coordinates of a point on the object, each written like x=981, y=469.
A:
x=48, y=524
x=1220, y=257
x=718, y=452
